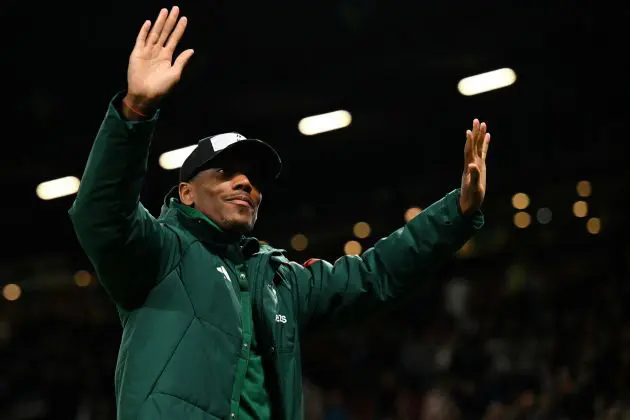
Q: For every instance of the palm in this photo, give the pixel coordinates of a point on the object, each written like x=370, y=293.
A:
x=478, y=162
x=152, y=72
x=153, y=75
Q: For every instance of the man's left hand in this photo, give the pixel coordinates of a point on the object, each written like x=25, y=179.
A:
x=473, y=189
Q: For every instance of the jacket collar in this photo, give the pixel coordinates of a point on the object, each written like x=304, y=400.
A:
x=205, y=229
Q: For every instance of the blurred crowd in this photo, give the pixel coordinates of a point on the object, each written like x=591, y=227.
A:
x=529, y=339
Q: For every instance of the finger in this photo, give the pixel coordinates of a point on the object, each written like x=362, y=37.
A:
x=157, y=27
x=169, y=25
x=469, y=142
x=486, y=144
x=475, y=134
x=480, y=138
x=144, y=32
x=182, y=60
x=177, y=34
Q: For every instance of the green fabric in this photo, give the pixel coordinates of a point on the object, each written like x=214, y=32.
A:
x=255, y=402
x=255, y=398
x=193, y=213
x=185, y=339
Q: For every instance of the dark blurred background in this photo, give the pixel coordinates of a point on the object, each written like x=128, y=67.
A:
x=530, y=321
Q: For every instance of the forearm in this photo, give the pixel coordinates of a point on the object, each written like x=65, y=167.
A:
x=393, y=268
x=110, y=187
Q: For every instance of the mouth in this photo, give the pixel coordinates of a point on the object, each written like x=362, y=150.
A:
x=242, y=200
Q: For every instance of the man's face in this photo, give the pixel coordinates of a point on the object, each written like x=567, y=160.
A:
x=227, y=193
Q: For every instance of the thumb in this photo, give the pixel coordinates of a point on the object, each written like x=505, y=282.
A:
x=473, y=169
x=182, y=60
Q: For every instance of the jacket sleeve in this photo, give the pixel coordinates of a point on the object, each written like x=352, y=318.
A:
x=355, y=286
x=128, y=248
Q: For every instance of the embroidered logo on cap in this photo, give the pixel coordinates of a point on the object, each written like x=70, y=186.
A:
x=221, y=141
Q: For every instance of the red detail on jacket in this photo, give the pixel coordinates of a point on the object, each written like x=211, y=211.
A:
x=310, y=262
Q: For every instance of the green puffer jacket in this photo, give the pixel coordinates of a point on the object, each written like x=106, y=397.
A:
x=184, y=336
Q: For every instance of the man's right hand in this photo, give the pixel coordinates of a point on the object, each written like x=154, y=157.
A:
x=152, y=73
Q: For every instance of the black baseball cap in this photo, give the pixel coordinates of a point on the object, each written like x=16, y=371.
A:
x=209, y=148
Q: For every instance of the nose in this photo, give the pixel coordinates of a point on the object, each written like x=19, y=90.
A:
x=242, y=183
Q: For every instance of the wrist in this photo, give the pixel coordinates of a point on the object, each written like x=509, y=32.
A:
x=464, y=207
x=136, y=107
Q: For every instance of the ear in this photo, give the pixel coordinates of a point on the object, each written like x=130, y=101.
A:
x=186, y=193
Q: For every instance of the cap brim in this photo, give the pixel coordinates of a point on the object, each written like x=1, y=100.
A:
x=252, y=150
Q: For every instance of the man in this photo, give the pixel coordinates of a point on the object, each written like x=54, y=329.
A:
x=211, y=318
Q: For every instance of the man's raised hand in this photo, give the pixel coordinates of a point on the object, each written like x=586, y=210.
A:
x=473, y=188
x=152, y=73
